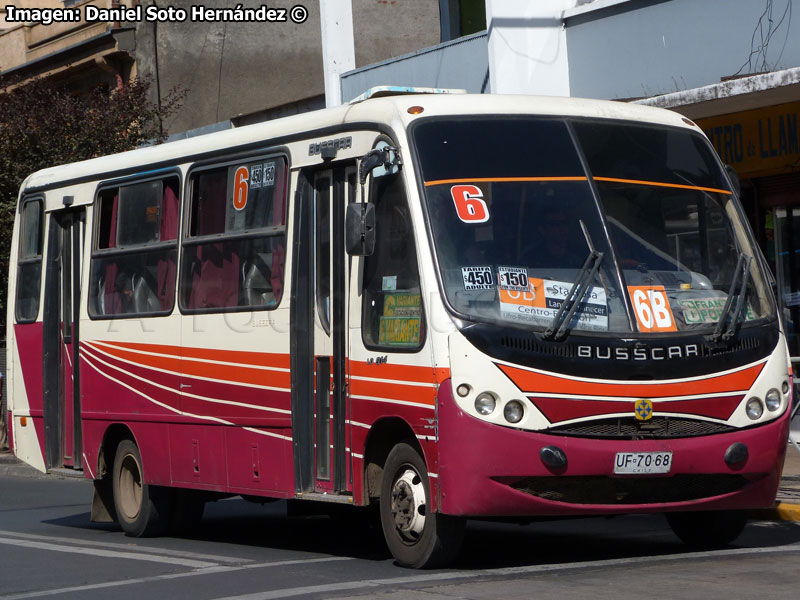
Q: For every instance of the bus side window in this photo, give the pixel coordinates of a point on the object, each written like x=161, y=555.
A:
x=29, y=272
x=392, y=309
x=133, y=268
x=233, y=249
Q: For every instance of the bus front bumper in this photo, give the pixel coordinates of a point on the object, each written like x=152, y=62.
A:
x=489, y=470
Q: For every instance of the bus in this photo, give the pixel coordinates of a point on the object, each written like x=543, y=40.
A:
x=443, y=305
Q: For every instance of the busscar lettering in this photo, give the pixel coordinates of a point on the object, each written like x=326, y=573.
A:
x=639, y=353
x=337, y=144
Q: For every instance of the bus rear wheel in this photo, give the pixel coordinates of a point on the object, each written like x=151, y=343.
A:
x=142, y=509
x=416, y=536
x=710, y=529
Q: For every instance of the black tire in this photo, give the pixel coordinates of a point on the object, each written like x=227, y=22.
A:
x=711, y=529
x=416, y=537
x=142, y=509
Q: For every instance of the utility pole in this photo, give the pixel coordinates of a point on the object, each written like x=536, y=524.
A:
x=338, y=47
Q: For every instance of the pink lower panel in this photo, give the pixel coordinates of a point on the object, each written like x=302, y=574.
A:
x=111, y=387
x=211, y=457
x=198, y=456
x=29, y=345
x=421, y=420
x=490, y=470
x=151, y=438
x=260, y=462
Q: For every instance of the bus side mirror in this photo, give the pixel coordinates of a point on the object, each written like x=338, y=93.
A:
x=360, y=229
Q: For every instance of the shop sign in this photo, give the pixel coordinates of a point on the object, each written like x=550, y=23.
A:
x=757, y=142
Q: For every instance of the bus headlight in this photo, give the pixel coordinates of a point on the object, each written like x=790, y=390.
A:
x=513, y=411
x=485, y=403
x=754, y=408
x=773, y=400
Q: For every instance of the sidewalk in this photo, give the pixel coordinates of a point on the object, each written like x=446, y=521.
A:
x=10, y=465
x=787, y=506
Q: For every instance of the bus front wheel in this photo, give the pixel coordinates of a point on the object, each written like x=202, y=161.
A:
x=416, y=536
x=710, y=529
x=142, y=509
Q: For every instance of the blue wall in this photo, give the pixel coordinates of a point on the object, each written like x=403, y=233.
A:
x=650, y=47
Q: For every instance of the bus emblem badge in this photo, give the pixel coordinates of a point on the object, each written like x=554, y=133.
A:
x=643, y=410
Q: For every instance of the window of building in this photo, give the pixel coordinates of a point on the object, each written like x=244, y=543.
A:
x=392, y=308
x=29, y=271
x=135, y=251
x=235, y=246
x=461, y=17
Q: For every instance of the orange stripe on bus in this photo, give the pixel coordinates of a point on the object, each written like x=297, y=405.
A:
x=502, y=180
x=259, y=359
x=662, y=184
x=541, y=383
x=410, y=373
x=228, y=373
x=393, y=391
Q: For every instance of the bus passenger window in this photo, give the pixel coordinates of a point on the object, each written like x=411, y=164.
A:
x=233, y=250
x=392, y=310
x=133, y=267
x=29, y=272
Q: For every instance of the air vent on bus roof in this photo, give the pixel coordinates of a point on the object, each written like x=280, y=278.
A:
x=400, y=90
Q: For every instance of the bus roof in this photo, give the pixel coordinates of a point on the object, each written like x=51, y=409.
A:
x=391, y=111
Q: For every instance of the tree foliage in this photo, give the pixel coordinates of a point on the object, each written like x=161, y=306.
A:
x=42, y=125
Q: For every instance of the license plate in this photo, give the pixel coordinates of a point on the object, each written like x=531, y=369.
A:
x=642, y=462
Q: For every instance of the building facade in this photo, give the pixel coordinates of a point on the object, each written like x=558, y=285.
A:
x=235, y=72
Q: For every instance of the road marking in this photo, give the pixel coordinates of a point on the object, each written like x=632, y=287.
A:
x=395, y=581
x=183, y=562
x=532, y=569
x=168, y=576
x=127, y=547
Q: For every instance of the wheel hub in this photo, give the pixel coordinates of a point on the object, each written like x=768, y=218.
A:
x=130, y=484
x=409, y=505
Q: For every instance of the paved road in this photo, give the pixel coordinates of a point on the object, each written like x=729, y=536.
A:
x=49, y=549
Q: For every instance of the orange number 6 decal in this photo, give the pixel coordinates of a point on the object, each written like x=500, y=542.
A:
x=240, y=188
x=469, y=203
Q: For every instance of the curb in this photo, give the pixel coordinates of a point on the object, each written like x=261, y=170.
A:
x=788, y=511
x=20, y=470
x=782, y=511
x=11, y=466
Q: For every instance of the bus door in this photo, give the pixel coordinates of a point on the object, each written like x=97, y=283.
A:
x=319, y=331
x=62, y=412
x=787, y=270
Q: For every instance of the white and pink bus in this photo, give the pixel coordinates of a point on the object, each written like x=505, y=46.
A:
x=448, y=305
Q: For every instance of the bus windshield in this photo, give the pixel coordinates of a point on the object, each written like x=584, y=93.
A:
x=522, y=208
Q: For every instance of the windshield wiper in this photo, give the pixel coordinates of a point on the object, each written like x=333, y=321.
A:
x=721, y=332
x=560, y=324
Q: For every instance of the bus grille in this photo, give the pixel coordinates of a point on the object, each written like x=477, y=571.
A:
x=629, y=490
x=628, y=428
